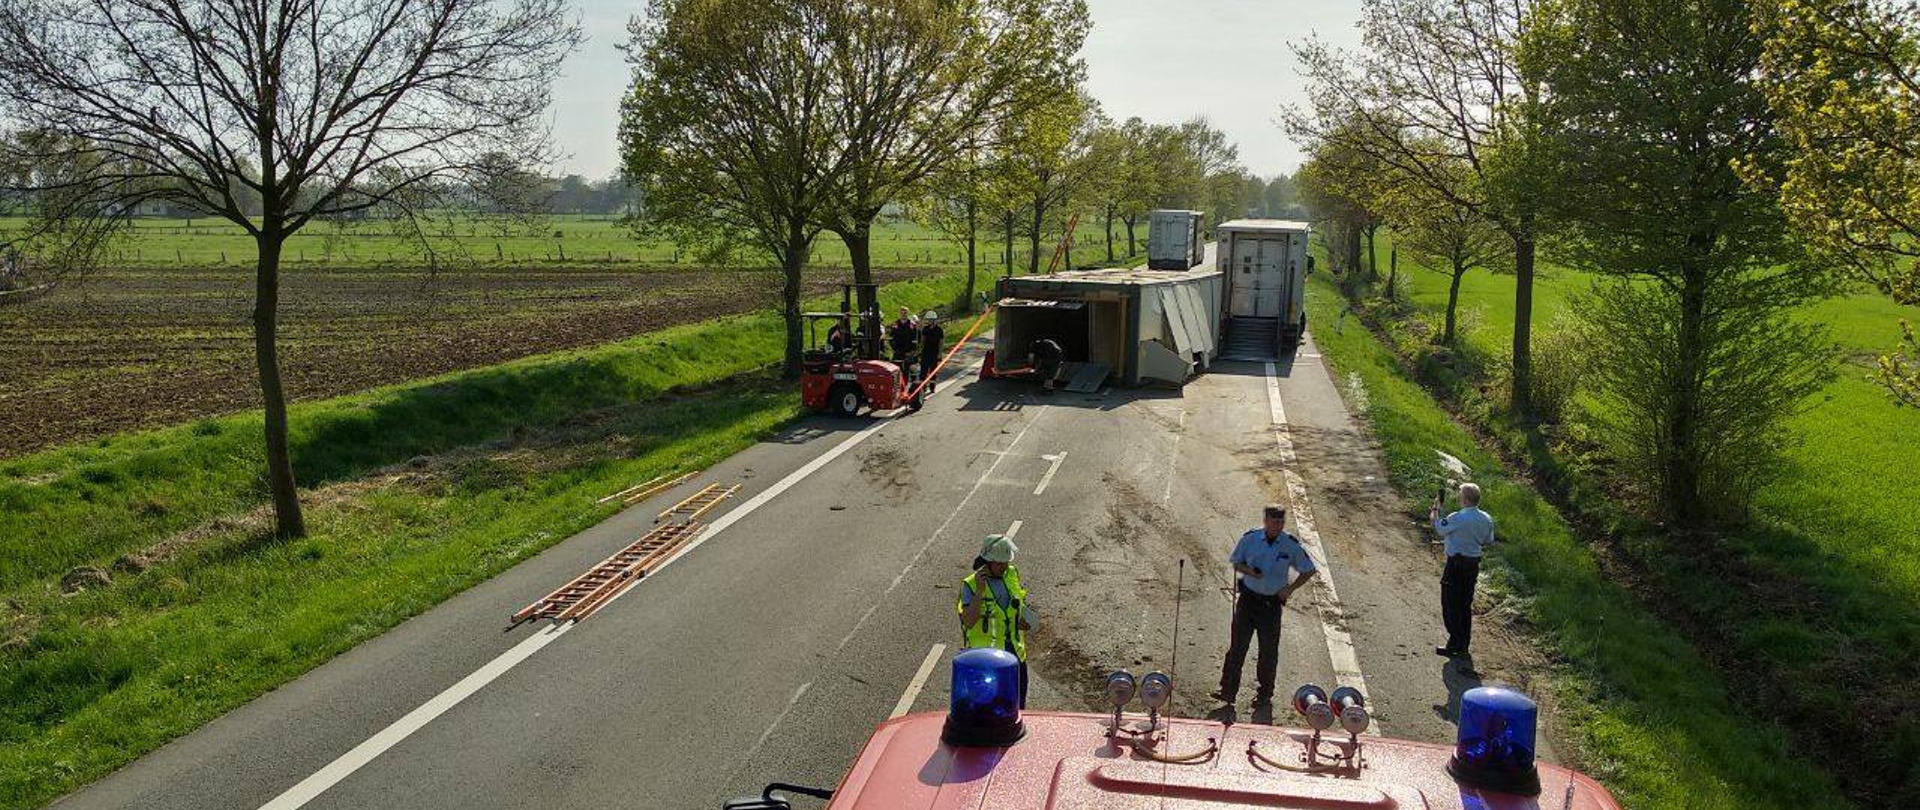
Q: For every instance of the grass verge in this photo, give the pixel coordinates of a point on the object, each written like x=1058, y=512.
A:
x=414, y=493
x=1654, y=722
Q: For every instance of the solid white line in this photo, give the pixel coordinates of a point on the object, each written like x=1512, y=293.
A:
x=388, y=737
x=413, y=721
x=905, y=704
x=765, y=735
x=1048, y=478
x=1340, y=649
x=1173, y=457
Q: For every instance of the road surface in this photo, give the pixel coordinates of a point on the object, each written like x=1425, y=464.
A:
x=823, y=599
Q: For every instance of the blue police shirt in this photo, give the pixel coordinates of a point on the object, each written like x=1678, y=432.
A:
x=1468, y=532
x=1274, y=557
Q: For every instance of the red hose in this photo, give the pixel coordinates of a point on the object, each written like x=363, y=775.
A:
x=935, y=371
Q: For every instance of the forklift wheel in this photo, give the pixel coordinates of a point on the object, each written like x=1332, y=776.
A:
x=844, y=400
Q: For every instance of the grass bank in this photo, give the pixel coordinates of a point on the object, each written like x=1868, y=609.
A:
x=414, y=492
x=1810, y=608
x=1653, y=720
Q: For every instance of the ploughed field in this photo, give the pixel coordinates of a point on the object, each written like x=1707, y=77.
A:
x=146, y=346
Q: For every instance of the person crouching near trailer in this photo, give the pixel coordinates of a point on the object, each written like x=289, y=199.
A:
x=1046, y=354
x=1467, y=534
x=993, y=606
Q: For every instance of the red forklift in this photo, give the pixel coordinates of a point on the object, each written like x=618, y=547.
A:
x=846, y=369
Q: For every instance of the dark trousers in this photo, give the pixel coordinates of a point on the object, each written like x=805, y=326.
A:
x=1456, y=599
x=1253, y=614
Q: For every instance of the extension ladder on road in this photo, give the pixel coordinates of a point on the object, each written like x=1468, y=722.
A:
x=586, y=593
x=697, y=504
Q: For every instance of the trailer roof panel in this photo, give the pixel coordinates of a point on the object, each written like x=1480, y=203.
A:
x=1115, y=276
x=1265, y=225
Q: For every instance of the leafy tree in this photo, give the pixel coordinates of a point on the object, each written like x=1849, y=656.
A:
x=953, y=201
x=1045, y=163
x=1844, y=78
x=323, y=109
x=729, y=127
x=1659, y=102
x=916, y=80
x=1449, y=237
x=1437, y=83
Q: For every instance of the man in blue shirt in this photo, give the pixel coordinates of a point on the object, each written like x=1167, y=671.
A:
x=1467, y=534
x=1263, y=557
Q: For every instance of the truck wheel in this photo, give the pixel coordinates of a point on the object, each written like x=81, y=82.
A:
x=844, y=400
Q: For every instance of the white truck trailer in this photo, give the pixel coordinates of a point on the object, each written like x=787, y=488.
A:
x=1265, y=265
x=1138, y=326
x=1176, y=240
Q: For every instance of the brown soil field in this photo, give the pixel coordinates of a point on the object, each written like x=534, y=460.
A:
x=127, y=349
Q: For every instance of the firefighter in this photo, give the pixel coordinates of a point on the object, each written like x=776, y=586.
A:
x=904, y=337
x=993, y=607
x=932, y=339
x=1046, y=354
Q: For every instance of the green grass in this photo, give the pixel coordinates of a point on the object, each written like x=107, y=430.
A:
x=576, y=239
x=1652, y=719
x=414, y=493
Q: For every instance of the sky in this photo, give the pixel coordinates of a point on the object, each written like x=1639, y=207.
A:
x=1162, y=60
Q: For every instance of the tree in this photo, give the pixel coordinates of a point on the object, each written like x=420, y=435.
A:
x=1437, y=83
x=323, y=108
x=952, y=201
x=1844, y=78
x=1045, y=162
x=1658, y=103
x=729, y=128
x=917, y=80
x=1281, y=199
x=1450, y=237
x=1109, y=188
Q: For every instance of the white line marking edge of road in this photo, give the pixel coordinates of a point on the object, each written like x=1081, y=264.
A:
x=919, y=682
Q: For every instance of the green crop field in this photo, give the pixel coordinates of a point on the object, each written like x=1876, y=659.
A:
x=1820, y=593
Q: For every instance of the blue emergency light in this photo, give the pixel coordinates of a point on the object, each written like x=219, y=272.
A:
x=1495, y=743
x=985, y=708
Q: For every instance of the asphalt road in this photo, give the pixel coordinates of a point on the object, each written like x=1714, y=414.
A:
x=771, y=649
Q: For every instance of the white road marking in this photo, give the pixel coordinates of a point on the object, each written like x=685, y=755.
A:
x=1173, y=457
x=919, y=682
x=768, y=733
x=320, y=781
x=390, y=736
x=1345, y=659
x=1057, y=458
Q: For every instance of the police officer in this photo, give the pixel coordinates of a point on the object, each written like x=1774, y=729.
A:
x=1263, y=557
x=1467, y=533
x=993, y=607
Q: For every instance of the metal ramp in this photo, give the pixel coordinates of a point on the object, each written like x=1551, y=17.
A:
x=1256, y=339
x=1084, y=378
x=586, y=593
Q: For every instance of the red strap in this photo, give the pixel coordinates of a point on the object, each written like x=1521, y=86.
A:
x=935, y=371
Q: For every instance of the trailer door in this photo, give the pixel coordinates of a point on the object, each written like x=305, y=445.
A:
x=1259, y=275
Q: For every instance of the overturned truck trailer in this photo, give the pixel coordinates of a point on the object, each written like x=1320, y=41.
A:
x=1137, y=326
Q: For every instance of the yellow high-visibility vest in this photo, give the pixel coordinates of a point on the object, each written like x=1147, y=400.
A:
x=998, y=627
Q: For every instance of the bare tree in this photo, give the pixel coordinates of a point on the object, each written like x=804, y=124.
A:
x=323, y=108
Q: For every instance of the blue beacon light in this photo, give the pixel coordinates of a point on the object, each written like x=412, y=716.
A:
x=985, y=707
x=1496, y=742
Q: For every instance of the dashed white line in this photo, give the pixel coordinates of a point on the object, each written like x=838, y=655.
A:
x=919, y=682
x=1173, y=457
x=1340, y=649
x=1057, y=459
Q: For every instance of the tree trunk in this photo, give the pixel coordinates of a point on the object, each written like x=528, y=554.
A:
x=1393, y=272
x=1682, y=472
x=288, y=522
x=1033, y=238
x=859, y=242
x=973, y=231
x=791, y=265
x=1132, y=251
x=1109, y=235
x=1008, y=221
x=1453, y=301
x=1522, y=394
x=1373, y=266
